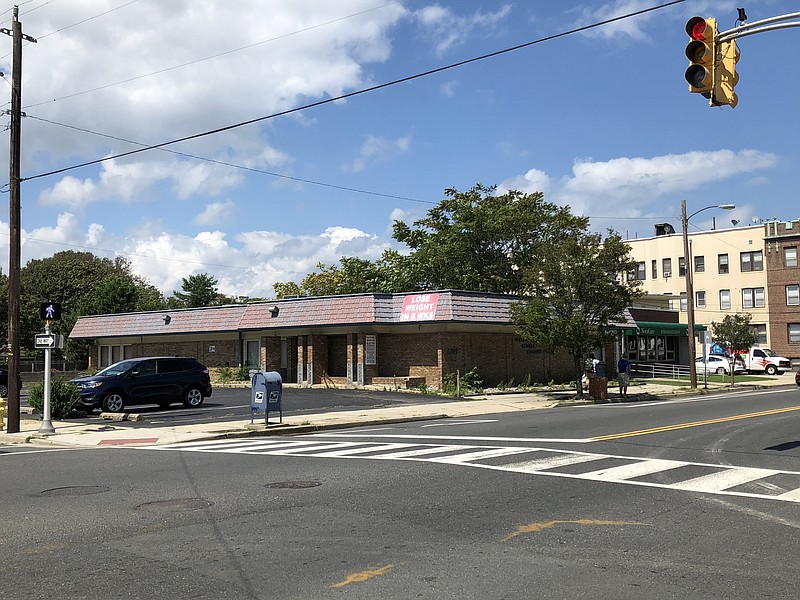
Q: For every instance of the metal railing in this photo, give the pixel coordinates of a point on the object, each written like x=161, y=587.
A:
x=660, y=371
x=37, y=366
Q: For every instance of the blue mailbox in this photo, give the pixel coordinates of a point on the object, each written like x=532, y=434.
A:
x=266, y=393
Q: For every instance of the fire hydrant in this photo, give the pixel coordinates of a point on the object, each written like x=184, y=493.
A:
x=2, y=411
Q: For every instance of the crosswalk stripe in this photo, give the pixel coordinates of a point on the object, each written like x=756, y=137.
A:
x=544, y=462
x=413, y=454
x=353, y=451
x=550, y=462
x=478, y=455
x=723, y=480
x=637, y=469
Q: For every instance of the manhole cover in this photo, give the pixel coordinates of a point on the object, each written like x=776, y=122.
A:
x=76, y=490
x=293, y=485
x=176, y=505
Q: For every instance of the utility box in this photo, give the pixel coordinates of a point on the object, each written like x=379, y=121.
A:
x=266, y=395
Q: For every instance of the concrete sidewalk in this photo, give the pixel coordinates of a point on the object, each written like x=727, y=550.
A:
x=113, y=432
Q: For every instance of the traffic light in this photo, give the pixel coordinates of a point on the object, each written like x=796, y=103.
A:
x=725, y=75
x=701, y=51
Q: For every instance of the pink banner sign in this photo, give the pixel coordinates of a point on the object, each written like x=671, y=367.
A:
x=419, y=307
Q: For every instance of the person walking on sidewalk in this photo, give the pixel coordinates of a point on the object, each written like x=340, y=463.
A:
x=623, y=376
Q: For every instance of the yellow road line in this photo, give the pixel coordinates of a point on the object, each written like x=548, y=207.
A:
x=363, y=576
x=615, y=436
x=536, y=527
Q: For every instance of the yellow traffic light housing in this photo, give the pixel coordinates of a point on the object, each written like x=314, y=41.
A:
x=725, y=75
x=701, y=52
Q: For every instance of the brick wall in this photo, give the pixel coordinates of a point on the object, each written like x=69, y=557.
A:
x=778, y=277
x=226, y=352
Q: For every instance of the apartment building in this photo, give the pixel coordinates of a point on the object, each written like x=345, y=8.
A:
x=781, y=242
x=749, y=269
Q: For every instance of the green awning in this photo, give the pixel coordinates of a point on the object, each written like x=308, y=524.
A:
x=656, y=328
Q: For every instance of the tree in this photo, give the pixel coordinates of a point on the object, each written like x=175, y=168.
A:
x=477, y=241
x=198, y=290
x=735, y=334
x=579, y=288
x=68, y=277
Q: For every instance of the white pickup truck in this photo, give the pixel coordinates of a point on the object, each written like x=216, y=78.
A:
x=764, y=360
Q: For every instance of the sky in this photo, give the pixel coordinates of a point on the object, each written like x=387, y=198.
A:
x=290, y=174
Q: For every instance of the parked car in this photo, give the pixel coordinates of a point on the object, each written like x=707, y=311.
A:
x=158, y=380
x=3, y=383
x=715, y=363
x=797, y=378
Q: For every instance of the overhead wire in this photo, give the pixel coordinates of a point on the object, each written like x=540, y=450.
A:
x=352, y=94
x=198, y=60
x=163, y=145
x=237, y=166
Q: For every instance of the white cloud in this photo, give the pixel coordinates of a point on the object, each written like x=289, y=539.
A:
x=375, y=149
x=447, y=30
x=216, y=213
x=631, y=28
x=631, y=187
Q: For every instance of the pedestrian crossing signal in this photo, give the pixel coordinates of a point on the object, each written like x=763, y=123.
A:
x=50, y=311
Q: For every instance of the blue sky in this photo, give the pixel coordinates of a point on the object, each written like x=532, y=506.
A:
x=601, y=121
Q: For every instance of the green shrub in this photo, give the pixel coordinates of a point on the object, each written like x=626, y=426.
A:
x=227, y=373
x=63, y=398
x=470, y=383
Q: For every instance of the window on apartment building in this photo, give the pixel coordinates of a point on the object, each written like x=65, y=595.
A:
x=641, y=271
x=666, y=267
x=753, y=297
x=792, y=295
x=681, y=266
x=700, y=299
x=752, y=261
x=761, y=332
x=699, y=264
x=684, y=306
x=722, y=263
x=654, y=269
x=724, y=299
x=794, y=333
x=790, y=256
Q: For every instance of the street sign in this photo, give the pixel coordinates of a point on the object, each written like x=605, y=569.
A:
x=49, y=340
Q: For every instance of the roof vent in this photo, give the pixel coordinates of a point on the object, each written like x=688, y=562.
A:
x=664, y=229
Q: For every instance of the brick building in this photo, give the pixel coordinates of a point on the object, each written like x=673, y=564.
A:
x=781, y=241
x=359, y=339
x=751, y=270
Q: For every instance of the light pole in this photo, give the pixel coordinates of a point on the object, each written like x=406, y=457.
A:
x=690, y=284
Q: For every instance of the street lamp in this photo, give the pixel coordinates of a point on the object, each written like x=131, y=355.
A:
x=690, y=284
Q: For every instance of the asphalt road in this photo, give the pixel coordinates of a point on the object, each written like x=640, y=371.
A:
x=234, y=404
x=540, y=504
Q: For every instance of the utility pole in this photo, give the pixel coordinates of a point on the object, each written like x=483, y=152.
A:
x=14, y=222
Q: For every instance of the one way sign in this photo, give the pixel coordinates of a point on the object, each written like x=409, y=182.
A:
x=49, y=340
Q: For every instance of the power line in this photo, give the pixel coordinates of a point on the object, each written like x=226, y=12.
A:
x=236, y=166
x=357, y=92
x=199, y=60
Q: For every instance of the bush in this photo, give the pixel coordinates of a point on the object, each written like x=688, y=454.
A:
x=470, y=382
x=63, y=398
x=227, y=373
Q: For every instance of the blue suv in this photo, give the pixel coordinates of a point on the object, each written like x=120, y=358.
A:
x=158, y=380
